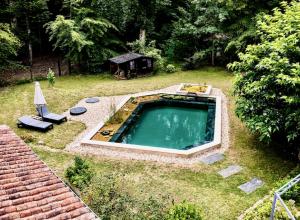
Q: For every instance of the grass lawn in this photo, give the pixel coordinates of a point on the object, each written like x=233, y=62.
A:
x=218, y=198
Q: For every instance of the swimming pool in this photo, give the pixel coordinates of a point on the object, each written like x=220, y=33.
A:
x=174, y=124
x=169, y=125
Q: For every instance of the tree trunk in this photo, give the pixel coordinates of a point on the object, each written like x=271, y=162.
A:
x=142, y=38
x=69, y=66
x=213, y=53
x=58, y=65
x=29, y=44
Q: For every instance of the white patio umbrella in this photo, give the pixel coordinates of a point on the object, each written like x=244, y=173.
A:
x=39, y=99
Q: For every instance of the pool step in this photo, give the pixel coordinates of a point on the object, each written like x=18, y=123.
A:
x=229, y=171
x=212, y=158
x=251, y=186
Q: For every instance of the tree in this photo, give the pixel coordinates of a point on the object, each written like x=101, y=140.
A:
x=9, y=46
x=84, y=38
x=67, y=37
x=199, y=28
x=29, y=14
x=241, y=23
x=268, y=77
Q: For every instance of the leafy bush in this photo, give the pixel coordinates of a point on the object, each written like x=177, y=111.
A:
x=170, y=68
x=51, y=77
x=10, y=44
x=195, y=61
x=184, y=211
x=267, y=85
x=80, y=174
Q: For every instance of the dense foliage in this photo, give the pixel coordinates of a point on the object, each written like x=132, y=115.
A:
x=87, y=32
x=79, y=175
x=10, y=45
x=268, y=77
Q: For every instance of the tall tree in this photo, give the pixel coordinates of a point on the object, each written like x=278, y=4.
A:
x=84, y=38
x=29, y=14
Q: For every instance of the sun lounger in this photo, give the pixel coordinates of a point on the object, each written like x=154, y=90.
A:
x=29, y=122
x=50, y=117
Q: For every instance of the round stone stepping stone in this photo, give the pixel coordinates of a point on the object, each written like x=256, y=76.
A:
x=92, y=100
x=77, y=110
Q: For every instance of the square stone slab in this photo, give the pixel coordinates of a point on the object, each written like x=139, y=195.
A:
x=212, y=158
x=251, y=186
x=231, y=170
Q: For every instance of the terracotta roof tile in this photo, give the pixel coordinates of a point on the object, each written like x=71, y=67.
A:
x=29, y=189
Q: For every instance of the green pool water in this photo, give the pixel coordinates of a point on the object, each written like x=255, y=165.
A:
x=168, y=127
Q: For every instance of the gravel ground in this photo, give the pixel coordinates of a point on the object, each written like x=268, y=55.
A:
x=97, y=112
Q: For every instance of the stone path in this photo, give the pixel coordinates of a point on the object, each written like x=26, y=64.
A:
x=251, y=186
x=212, y=158
x=229, y=171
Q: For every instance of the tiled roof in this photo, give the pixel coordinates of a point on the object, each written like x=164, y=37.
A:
x=29, y=189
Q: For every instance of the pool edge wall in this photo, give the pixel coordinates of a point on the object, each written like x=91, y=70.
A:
x=129, y=148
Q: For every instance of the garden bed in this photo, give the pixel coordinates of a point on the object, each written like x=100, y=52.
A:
x=194, y=89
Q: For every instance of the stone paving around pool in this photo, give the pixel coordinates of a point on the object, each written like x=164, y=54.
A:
x=97, y=113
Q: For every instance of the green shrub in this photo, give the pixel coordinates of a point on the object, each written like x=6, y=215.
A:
x=170, y=68
x=80, y=174
x=195, y=61
x=51, y=77
x=267, y=85
x=149, y=50
x=184, y=211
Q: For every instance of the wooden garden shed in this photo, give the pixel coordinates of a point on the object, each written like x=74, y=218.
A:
x=130, y=65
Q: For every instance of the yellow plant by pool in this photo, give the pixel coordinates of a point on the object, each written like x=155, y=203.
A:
x=195, y=88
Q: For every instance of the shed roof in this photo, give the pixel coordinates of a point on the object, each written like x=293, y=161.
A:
x=126, y=57
x=29, y=189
